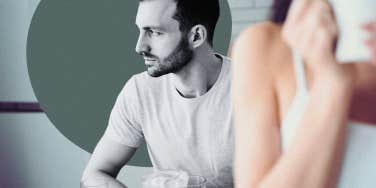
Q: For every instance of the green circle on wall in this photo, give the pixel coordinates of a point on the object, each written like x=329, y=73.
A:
x=81, y=53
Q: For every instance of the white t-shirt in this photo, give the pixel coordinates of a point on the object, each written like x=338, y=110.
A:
x=190, y=134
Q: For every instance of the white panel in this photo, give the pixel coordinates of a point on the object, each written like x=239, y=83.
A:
x=251, y=14
x=241, y=3
x=14, y=80
x=247, y=12
x=32, y=5
x=263, y=3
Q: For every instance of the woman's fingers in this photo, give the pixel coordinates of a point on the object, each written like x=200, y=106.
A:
x=371, y=42
x=371, y=26
x=297, y=9
x=313, y=34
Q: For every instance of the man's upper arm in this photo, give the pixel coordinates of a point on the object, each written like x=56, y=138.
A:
x=108, y=157
x=121, y=137
x=124, y=125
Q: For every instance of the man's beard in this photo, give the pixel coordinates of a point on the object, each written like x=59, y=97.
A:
x=174, y=62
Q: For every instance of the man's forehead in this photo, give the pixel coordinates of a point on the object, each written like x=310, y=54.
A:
x=155, y=12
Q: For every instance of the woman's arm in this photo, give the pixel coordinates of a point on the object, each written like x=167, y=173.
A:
x=313, y=158
x=257, y=136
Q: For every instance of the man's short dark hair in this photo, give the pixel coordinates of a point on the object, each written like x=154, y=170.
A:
x=193, y=12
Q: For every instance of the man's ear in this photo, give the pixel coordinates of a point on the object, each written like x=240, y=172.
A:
x=197, y=36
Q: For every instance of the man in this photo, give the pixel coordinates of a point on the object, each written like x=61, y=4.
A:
x=180, y=106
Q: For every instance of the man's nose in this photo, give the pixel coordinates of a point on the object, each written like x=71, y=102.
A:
x=142, y=45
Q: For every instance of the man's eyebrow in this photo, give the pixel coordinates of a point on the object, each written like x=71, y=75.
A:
x=152, y=27
x=156, y=27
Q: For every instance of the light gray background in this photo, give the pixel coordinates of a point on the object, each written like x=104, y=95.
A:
x=33, y=154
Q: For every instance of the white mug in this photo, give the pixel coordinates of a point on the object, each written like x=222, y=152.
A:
x=350, y=16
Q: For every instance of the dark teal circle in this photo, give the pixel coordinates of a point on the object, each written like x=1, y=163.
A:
x=80, y=53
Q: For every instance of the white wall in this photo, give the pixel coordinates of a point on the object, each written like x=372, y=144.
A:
x=247, y=12
x=14, y=80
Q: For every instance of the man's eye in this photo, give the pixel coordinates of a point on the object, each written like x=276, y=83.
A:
x=154, y=33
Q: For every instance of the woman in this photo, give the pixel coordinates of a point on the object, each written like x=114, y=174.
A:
x=292, y=108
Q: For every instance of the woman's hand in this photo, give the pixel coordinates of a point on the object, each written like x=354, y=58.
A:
x=371, y=42
x=311, y=30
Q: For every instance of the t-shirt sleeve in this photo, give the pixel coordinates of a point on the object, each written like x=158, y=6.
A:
x=124, y=125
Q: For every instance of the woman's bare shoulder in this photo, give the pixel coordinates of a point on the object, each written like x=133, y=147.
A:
x=258, y=34
x=261, y=59
x=262, y=28
x=262, y=44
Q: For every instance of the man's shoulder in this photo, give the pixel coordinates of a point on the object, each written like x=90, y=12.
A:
x=142, y=87
x=140, y=77
x=225, y=59
x=226, y=63
x=143, y=79
x=142, y=84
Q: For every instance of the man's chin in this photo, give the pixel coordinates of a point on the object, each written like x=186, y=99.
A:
x=154, y=73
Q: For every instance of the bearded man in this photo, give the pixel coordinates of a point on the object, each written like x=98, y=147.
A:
x=180, y=106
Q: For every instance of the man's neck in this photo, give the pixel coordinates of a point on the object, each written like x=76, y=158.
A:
x=198, y=76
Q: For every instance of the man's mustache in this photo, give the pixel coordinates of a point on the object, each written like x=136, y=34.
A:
x=148, y=55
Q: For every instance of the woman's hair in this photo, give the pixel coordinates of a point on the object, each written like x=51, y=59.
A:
x=279, y=11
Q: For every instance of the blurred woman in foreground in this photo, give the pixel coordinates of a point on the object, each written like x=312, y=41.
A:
x=291, y=114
